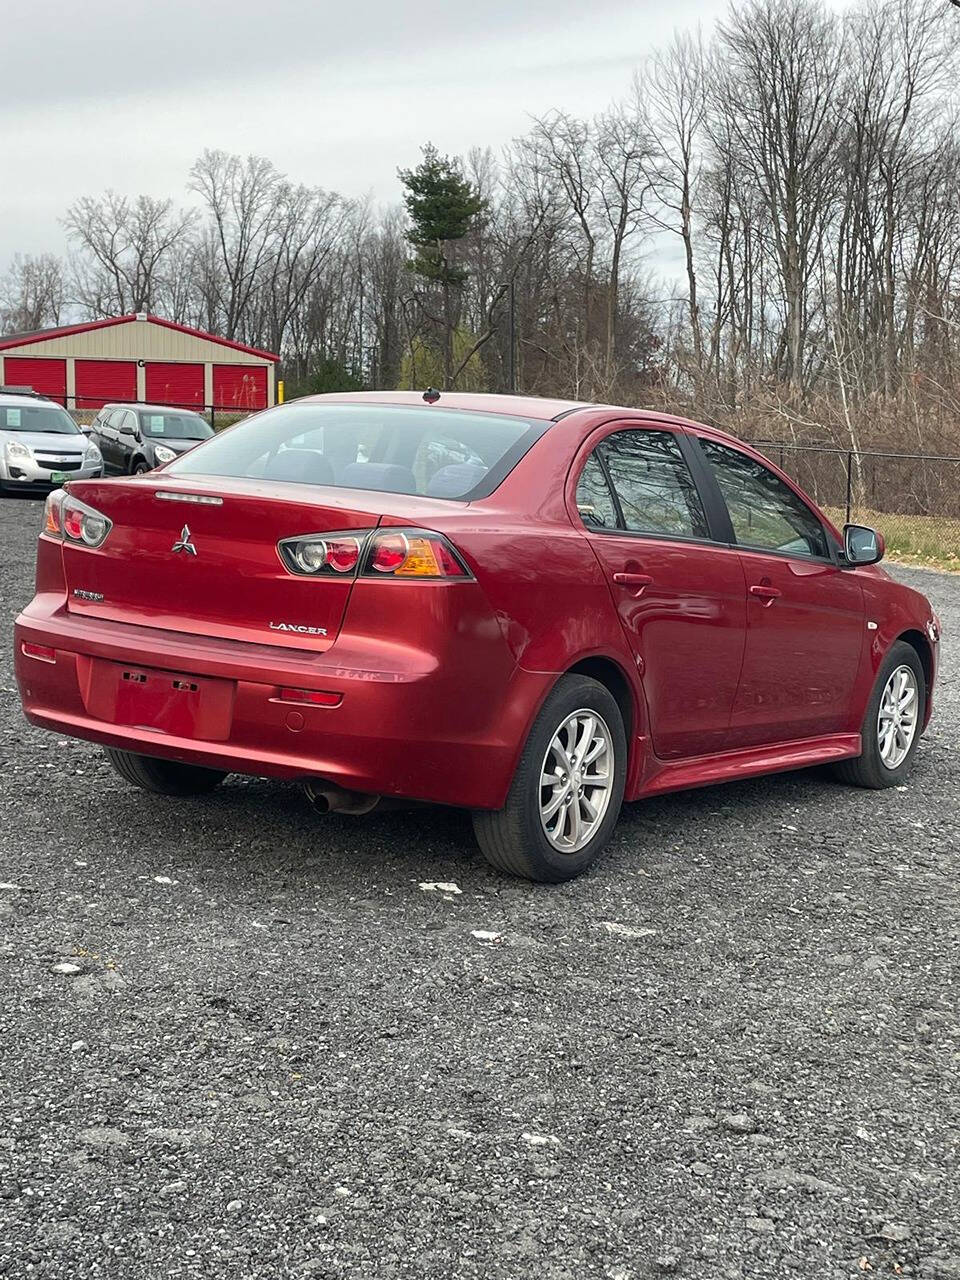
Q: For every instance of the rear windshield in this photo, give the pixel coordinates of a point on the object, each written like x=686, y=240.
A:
x=45, y=418
x=174, y=426
x=439, y=453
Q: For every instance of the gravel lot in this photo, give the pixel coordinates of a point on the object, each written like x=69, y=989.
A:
x=731, y=1050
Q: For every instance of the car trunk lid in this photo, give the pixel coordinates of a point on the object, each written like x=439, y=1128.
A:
x=201, y=557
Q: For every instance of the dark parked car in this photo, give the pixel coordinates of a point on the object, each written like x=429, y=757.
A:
x=138, y=437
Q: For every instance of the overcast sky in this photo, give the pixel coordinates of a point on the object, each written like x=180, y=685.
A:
x=99, y=93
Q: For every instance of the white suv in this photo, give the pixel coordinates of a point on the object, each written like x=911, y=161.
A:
x=40, y=444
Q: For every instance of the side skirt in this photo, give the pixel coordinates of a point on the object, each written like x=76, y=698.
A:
x=749, y=762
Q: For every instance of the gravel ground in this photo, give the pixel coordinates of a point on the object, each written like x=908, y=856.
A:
x=731, y=1050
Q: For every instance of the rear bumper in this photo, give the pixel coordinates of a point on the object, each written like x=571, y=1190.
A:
x=415, y=727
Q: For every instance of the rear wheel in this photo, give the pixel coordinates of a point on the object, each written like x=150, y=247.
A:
x=566, y=794
x=164, y=777
x=892, y=724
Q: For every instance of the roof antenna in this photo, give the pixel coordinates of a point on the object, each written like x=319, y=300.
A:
x=431, y=395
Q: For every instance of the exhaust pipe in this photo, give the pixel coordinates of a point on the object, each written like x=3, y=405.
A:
x=327, y=797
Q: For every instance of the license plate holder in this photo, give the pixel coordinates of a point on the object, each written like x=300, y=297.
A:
x=170, y=702
x=59, y=477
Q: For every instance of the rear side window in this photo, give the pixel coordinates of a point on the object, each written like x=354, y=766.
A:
x=652, y=484
x=765, y=512
x=594, y=499
x=438, y=453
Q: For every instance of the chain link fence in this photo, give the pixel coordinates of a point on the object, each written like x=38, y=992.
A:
x=219, y=416
x=912, y=498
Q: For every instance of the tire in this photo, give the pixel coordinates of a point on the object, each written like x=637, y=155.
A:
x=514, y=838
x=140, y=469
x=164, y=777
x=870, y=769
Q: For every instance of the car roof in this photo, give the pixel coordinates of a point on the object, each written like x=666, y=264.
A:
x=16, y=400
x=513, y=406
x=537, y=407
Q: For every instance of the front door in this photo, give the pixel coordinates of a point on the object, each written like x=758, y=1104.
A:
x=805, y=615
x=679, y=594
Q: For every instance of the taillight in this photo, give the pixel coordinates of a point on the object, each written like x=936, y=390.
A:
x=51, y=512
x=82, y=524
x=326, y=554
x=373, y=553
x=413, y=553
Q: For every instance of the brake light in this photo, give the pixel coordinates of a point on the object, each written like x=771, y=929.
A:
x=82, y=524
x=342, y=554
x=42, y=652
x=389, y=552
x=312, y=697
x=415, y=553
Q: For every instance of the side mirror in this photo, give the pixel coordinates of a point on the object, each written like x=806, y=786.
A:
x=862, y=545
x=127, y=430
x=86, y=428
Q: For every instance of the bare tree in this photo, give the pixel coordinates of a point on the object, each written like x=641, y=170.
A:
x=777, y=89
x=126, y=245
x=243, y=200
x=32, y=293
x=671, y=95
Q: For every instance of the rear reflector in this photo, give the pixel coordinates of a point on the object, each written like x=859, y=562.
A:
x=312, y=697
x=42, y=652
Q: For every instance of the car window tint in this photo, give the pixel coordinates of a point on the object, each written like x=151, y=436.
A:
x=594, y=500
x=439, y=453
x=656, y=491
x=764, y=511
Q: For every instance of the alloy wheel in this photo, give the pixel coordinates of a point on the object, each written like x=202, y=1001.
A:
x=576, y=780
x=897, y=717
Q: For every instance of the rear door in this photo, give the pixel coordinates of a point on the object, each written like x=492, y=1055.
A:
x=805, y=615
x=679, y=593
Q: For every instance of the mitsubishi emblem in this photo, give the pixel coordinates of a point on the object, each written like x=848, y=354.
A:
x=183, y=543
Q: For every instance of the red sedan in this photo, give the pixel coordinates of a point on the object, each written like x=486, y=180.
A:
x=534, y=609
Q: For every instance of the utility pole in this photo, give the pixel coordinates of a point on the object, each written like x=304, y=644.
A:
x=512, y=359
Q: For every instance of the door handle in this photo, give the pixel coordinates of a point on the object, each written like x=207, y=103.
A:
x=766, y=594
x=632, y=579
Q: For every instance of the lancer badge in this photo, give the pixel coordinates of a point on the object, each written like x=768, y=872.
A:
x=183, y=543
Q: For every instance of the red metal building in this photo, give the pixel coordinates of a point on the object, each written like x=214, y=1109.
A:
x=139, y=357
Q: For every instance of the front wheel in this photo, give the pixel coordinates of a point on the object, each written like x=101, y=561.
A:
x=164, y=777
x=893, y=722
x=566, y=794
